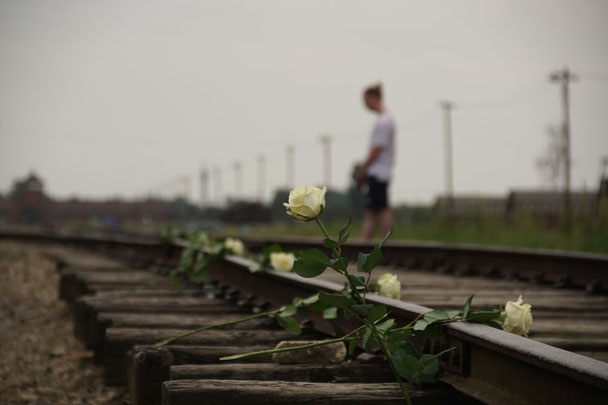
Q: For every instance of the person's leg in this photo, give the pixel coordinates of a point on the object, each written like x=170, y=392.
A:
x=370, y=223
x=387, y=220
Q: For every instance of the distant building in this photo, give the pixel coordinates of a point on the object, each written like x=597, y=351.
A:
x=28, y=204
x=549, y=203
x=535, y=203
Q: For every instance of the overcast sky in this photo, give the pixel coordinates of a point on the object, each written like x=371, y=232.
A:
x=108, y=98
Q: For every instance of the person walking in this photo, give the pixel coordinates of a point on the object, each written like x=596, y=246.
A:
x=375, y=172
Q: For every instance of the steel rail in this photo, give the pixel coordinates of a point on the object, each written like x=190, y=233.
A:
x=563, y=269
x=488, y=364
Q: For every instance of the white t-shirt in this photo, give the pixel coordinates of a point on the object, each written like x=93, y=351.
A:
x=383, y=136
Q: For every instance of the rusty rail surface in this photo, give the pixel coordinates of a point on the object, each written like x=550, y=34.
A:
x=488, y=364
x=559, y=268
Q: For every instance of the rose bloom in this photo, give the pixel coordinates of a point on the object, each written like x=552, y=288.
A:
x=235, y=246
x=518, y=317
x=282, y=261
x=306, y=203
x=389, y=286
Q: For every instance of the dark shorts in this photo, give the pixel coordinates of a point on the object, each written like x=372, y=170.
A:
x=376, y=198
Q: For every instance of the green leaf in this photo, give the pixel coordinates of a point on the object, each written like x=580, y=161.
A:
x=317, y=306
x=297, y=301
x=399, y=335
x=376, y=313
x=421, y=324
x=340, y=263
x=357, y=281
x=314, y=256
x=367, y=262
x=467, y=307
x=347, y=314
x=484, y=316
x=274, y=248
x=289, y=324
x=288, y=310
x=386, y=325
x=429, y=364
x=312, y=263
x=216, y=249
x=344, y=233
x=329, y=243
x=353, y=344
x=453, y=313
x=367, y=342
x=430, y=318
x=436, y=315
x=362, y=310
x=330, y=313
x=406, y=365
x=335, y=300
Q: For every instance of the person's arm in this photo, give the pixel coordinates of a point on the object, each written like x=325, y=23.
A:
x=373, y=155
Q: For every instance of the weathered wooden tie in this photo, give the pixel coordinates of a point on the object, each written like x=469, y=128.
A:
x=349, y=371
x=118, y=341
x=90, y=331
x=149, y=367
x=229, y=392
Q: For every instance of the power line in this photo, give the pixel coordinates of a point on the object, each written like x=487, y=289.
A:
x=498, y=104
x=595, y=76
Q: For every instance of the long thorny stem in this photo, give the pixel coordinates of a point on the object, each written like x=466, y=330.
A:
x=322, y=228
x=389, y=358
x=215, y=325
x=345, y=272
x=288, y=349
x=378, y=336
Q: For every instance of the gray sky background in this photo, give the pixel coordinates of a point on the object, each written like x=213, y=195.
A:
x=106, y=98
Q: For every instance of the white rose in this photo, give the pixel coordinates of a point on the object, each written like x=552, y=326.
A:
x=235, y=246
x=306, y=203
x=282, y=261
x=518, y=317
x=389, y=286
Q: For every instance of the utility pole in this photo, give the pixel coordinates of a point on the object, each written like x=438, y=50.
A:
x=217, y=174
x=238, y=180
x=290, y=172
x=447, y=108
x=604, y=178
x=564, y=77
x=186, y=183
x=326, y=142
x=261, y=177
x=204, y=187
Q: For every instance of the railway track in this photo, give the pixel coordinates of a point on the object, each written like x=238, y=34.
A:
x=487, y=366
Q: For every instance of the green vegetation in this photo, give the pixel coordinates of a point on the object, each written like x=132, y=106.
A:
x=585, y=234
